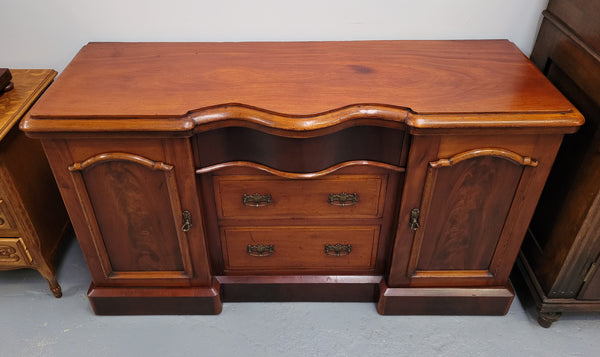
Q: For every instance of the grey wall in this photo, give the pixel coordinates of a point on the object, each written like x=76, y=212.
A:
x=47, y=34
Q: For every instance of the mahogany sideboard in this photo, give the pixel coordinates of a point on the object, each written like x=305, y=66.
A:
x=33, y=219
x=561, y=253
x=401, y=172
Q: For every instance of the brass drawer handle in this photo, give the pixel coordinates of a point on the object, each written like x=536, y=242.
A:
x=256, y=200
x=338, y=249
x=343, y=199
x=260, y=250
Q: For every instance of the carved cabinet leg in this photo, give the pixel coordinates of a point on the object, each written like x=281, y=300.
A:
x=54, y=287
x=546, y=319
x=50, y=276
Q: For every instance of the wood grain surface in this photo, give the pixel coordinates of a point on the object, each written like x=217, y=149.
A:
x=32, y=214
x=296, y=122
x=300, y=248
x=300, y=198
x=29, y=84
x=299, y=78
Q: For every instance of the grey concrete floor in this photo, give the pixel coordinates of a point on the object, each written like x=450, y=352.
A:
x=34, y=323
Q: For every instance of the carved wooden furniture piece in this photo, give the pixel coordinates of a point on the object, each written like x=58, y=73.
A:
x=560, y=255
x=402, y=172
x=32, y=216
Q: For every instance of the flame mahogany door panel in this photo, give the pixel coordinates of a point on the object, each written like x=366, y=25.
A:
x=464, y=209
x=131, y=194
x=135, y=203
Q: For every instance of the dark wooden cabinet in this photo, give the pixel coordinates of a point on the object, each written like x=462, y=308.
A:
x=561, y=252
x=392, y=171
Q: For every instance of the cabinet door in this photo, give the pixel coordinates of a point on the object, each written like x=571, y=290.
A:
x=133, y=211
x=463, y=216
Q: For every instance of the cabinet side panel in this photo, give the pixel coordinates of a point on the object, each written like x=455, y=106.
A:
x=581, y=16
x=466, y=214
x=31, y=192
x=131, y=205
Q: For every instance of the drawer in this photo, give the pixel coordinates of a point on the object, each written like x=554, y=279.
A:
x=7, y=222
x=13, y=253
x=301, y=247
x=343, y=196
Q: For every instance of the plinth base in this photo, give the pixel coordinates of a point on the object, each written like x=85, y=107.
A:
x=155, y=301
x=444, y=301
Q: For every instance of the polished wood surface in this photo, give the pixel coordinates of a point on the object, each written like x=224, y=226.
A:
x=448, y=301
x=341, y=288
x=310, y=84
x=561, y=251
x=31, y=83
x=471, y=222
x=308, y=78
x=160, y=301
x=33, y=219
x=133, y=232
x=301, y=248
x=301, y=202
x=299, y=175
x=301, y=198
x=464, y=237
x=132, y=204
x=399, y=171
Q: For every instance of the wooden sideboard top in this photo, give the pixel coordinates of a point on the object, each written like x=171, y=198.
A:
x=29, y=85
x=306, y=80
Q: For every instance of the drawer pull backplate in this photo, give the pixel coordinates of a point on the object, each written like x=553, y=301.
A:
x=338, y=249
x=256, y=200
x=343, y=199
x=260, y=250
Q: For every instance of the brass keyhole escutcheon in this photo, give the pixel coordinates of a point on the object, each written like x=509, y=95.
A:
x=414, y=219
x=187, y=221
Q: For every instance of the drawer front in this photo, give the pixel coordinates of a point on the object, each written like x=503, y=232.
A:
x=7, y=222
x=347, y=196
x=300, y=247
x=13, y=253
